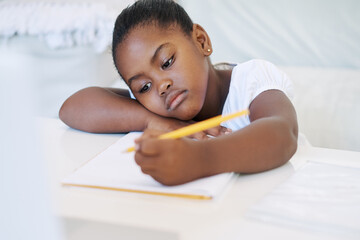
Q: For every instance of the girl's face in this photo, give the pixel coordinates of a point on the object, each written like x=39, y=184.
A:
x=166, y=70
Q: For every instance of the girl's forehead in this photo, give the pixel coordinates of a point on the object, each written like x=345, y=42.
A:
x=149, y=37
x=143, y=38
x=138, y=49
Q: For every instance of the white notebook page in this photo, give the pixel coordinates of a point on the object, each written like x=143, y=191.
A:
x=116, y=170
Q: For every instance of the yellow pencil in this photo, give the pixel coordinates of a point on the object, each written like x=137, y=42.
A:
x=198, y=127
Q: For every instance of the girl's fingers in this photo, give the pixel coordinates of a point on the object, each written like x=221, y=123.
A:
x=147, y=147
x=218, y=131
x=149, y=133
x=148, y=171
x=199, y=136
x=225, y=130
x=145, y=162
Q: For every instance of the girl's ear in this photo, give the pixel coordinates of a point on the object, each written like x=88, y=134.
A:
x=202, y=40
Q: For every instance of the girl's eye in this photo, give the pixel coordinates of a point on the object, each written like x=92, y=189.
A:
x=168, y=63
x=145, y=88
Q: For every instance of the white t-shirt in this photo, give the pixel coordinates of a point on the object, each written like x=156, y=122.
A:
x=248, y=80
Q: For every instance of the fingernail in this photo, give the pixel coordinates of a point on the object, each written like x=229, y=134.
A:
x=137, y=147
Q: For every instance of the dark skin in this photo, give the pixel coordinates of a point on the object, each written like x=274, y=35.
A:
x=175, y=84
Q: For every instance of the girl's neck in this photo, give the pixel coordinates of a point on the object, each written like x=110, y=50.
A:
x=217, y=91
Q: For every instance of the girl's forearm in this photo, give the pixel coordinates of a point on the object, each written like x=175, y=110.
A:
x=100, y=110
x=263, y=145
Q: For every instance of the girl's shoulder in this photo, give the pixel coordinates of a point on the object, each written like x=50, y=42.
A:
x=248, y=66
x=254, y=72
x=257, y=75
x=256, y=65
x=258, y=69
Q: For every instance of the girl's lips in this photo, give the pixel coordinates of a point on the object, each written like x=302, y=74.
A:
x=175, y=98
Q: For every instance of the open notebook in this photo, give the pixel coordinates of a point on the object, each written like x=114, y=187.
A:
x=114, y=169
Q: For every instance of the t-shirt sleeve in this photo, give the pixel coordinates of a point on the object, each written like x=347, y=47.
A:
x=248, y=80
x=266, y=76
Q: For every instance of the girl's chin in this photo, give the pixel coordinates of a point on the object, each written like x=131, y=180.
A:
x=188, y=115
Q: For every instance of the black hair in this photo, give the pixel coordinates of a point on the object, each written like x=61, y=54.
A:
x=162, y=12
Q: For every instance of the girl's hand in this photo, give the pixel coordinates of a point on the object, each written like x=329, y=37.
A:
x=170, y=161
x=170, y=124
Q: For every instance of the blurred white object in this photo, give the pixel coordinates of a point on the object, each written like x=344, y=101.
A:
x=25, y=203
x=55, y=74
x=59, y=24
x=326, y=101
x=320, y=197
x=60, y=46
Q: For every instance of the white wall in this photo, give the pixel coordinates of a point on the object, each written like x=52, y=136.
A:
x=321, y=33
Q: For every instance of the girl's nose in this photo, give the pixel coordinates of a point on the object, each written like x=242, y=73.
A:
x=164, y=86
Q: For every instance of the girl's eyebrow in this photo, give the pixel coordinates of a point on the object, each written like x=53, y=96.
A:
x=158, y=50
x=134, y=78
x=153, y=58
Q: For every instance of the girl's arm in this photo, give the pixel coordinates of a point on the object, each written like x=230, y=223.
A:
x=268, y=142
x=108, y=110
x=105, y=110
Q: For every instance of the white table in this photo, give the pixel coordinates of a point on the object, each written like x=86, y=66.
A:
x=120, y=215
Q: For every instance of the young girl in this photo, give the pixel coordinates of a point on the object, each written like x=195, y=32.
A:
x=164, y=59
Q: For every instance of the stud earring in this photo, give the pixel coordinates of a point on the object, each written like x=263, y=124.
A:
x=209, y=50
